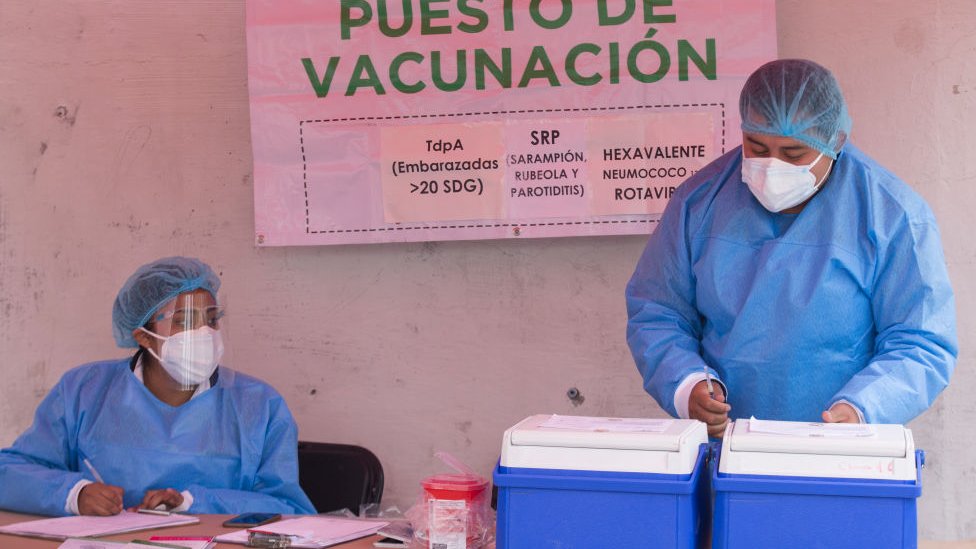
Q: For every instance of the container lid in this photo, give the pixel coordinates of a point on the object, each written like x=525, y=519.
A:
x=798, y=437
x=456, y=482
x=601, y=432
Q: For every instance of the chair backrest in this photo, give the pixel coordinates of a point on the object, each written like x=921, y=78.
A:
x=337, y=476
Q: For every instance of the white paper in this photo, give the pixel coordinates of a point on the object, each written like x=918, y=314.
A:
x=74, y=543
x=313, y=532
x=815, y=430
x=608, y=424
x=86, y=526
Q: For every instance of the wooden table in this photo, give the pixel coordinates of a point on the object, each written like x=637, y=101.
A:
x=209, y=525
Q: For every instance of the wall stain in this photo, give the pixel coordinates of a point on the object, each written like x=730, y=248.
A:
x=133, y=225
x=63, y=114
x=910, y=37
x=464, y=427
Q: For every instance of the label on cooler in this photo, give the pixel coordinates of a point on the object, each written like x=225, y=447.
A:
x=448, y=523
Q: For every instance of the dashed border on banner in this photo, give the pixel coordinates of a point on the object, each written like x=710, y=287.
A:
x=301, y=141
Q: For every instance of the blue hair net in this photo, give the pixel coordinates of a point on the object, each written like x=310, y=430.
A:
x=799, y=99
x=151, y=286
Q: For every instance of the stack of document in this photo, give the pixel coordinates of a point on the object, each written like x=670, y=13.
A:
x=313, y=532
x=86, y=526
x=86, y=543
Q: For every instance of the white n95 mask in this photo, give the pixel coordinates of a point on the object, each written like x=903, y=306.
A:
x=779, y=185
x=190, y=357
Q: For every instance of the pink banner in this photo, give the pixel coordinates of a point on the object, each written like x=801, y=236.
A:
x=410, y=120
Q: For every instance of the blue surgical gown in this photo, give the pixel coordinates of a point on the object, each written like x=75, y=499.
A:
x=233, y=447
x=849, y=299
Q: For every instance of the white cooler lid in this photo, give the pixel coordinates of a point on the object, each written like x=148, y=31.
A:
x=641, y=445
x=602, y=432
x=797, y=437
x=809, y=449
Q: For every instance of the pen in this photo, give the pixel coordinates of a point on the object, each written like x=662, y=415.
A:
x=151, y=543
x=154, y=512
x=708, y=383
x=98, y=478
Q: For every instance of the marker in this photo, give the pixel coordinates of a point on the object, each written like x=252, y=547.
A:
x=153, y=512
x=98, y=478
x=708, y=383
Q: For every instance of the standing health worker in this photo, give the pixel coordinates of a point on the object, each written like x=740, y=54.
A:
x=169, y=427
x=806, y=278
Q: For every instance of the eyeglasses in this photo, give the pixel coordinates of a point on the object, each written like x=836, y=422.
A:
x=184, y=319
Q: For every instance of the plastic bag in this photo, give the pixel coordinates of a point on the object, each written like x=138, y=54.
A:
x=454, y=510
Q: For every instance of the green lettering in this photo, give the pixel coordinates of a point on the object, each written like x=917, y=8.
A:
x=664, y=61
x=556, y=23
x=398, y=82
x=478, y=14
x=320, y=85
x=436, y=75
x=427, y=15
x=384, y=17
x=545, y=70
x=614, y=63
x=571, y=71
x=347, y=21
x=364, y=76
x=604, y=17
x=651, y=19
x=707, y=67
x=503, y=74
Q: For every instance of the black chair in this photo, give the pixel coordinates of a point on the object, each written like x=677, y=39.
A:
x=339, y=476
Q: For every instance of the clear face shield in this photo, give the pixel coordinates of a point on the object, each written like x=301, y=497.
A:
x=189, y=330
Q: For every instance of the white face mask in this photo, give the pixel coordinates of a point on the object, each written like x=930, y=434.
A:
x=190, y=357
x=779, y=185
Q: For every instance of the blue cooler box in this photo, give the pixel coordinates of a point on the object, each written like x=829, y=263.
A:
x=795, y=484
x=578, y=482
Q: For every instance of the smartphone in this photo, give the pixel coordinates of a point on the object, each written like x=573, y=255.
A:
x=397, y=534
x=247, y=520
x=389, y=542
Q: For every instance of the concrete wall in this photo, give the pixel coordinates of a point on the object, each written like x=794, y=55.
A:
x=124, y=137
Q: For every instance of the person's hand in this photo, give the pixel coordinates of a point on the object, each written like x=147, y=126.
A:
x=841, y=413
x=713, y=411
x=167, y=497
x=100, y=500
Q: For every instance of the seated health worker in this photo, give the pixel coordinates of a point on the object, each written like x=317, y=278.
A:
x=168, y=427
x=806, y=278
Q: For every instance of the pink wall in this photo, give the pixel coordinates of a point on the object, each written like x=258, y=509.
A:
x=124, y=137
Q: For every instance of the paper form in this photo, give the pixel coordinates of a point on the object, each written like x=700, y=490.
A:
x=87, y=526
x=313, y=531
x=816, y=430
x=607, y=424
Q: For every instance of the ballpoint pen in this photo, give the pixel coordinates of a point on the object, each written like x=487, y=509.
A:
x=98, y=478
